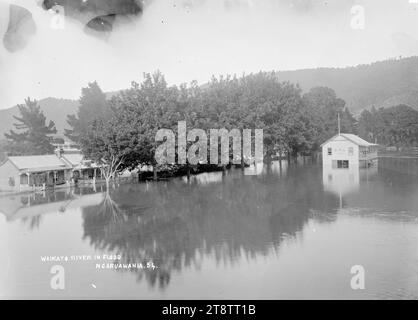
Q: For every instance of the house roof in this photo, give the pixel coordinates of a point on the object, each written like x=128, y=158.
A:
x=38, y=163
x=77, y=161
x=73, y=158
x=353, y=138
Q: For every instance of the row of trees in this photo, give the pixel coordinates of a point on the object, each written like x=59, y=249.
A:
x=121, y=131
x=394, y=126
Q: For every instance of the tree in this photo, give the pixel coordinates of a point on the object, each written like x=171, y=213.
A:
x=291, y=123
x=368, y=125
x=324, y=107
x=395, y=126
x=140, y=112
x=257, y=101
x=33, y=136
x=126, y=138
x=277, y=108
x=93, y=105
x=100, y=145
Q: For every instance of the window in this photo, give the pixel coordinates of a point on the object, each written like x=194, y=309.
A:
x=329, y=151
x=11, y=181
x=350, y=151
x=24, y=179
x=342, y=164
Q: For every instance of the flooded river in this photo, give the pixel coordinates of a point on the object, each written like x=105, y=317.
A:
x=287, y=232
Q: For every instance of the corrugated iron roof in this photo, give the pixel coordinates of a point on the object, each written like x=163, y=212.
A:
x=357, y=140
x=353, y=138
x=77, y=161
x=73, y=158
x=39, y=163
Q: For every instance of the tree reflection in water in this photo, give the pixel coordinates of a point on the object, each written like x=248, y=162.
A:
x=176, y=224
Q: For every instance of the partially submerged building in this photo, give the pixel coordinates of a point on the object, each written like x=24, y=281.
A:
x=345, y=150
x=83, y=169
x=64, y=168
x=24, y=172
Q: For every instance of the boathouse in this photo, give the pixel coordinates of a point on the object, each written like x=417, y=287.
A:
x=345, y=150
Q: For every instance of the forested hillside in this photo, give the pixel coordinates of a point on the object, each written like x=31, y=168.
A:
x=381, y=84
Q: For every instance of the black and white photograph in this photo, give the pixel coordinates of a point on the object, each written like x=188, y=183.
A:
x=208, y=150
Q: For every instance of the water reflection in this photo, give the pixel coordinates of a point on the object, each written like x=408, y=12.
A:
x=345, y=181
x=31, y=207
x=341, y=181
x=175, y=224
x=222, y=219
x=379, y=189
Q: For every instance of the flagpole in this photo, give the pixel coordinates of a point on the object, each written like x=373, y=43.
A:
x=339, y=129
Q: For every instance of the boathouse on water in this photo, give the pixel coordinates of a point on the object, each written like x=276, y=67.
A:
x=345, y=150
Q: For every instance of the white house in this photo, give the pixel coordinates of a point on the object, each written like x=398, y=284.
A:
x=27, y=172
x=345, y=150
x=24, y=173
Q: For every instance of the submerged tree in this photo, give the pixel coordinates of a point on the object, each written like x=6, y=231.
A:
x=100, y=145
x=138, y=113
x=125, y=138
x=33, y=135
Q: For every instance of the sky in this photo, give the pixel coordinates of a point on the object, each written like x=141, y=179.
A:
x=192, y=40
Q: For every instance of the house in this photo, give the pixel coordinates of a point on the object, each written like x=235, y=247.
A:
x=65, y=167
x=83, y=169
x=28, y=172
x=345, y=150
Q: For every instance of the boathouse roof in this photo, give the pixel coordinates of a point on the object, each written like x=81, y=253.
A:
x=353, y=138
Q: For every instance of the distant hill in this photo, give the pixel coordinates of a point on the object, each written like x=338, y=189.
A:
x=54, y=109
x=380, y=84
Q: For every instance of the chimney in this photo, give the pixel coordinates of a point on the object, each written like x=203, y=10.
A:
x=59, y=151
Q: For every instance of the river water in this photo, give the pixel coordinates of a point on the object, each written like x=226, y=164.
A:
x=283, y=232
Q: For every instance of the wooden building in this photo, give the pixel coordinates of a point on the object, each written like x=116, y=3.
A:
x=22, y=173
x=344, y=150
